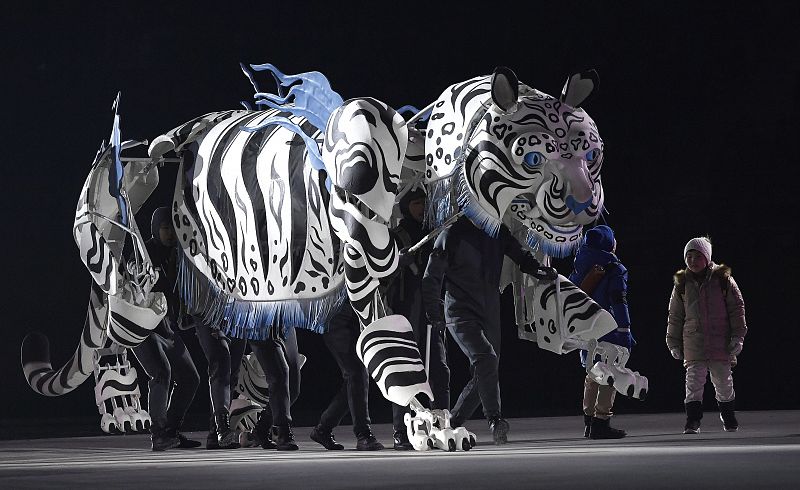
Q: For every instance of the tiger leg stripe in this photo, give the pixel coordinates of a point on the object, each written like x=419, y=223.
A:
x=35, y=352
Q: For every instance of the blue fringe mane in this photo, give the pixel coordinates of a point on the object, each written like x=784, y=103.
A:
x=308, y=95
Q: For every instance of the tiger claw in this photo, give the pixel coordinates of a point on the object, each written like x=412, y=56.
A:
x=430, y=429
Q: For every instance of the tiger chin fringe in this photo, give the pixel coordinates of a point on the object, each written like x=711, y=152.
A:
x=556, y=250
x=252, y=320
x=453, y=188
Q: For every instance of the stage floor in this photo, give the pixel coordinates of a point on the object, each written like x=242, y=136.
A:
x=546, y=452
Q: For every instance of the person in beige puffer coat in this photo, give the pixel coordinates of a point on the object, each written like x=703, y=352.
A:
x=706, y=329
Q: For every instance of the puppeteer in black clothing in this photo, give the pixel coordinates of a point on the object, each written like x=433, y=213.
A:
x=404, y=297
x=353, y=395
x=468, y=262
x=173, y=378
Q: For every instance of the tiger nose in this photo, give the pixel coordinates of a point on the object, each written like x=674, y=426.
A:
x=575, y=206
x=580, y=186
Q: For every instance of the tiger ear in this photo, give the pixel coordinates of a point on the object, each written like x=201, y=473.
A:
x=579, y=87
x=505, y=88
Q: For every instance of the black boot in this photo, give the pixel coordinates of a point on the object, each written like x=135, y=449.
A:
x=587, y=425
x=211, y=438
x=325, y=438
x=262, y=429
x=401, y=442
x=227, y=438
x=499, y=427
x=283, y=438
x=162, y=439
x=366, y=441
x=601, y=429
x=694, y=414
x=727, y=413
x=185, y=443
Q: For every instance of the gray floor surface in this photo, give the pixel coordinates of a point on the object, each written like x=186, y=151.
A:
x=547, y=452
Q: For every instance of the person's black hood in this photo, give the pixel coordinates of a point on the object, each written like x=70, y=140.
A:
x=160, y=215
x=413, y=194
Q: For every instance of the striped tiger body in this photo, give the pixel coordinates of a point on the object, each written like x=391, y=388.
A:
x=251, y=214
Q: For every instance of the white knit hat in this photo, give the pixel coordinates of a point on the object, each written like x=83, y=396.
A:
x=701, y=244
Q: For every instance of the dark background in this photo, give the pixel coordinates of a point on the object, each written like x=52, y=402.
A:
x=697, y=106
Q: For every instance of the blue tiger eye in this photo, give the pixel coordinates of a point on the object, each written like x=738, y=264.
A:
x=533, y=159
x=592, y=155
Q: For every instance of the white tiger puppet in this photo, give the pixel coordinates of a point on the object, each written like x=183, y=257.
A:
x=282, y=213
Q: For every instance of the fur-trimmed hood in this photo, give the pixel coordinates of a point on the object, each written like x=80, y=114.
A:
x=720, y=271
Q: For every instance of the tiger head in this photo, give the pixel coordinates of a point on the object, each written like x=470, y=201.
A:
x=517, y=153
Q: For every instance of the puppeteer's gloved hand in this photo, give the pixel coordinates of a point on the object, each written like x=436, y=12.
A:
x=676, y=353
x=405, y=258
x=546, y=273
x=438, y=326
x=735, y=346
x=436, y=319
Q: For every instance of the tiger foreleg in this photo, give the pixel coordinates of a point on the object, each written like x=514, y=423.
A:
x=611, y=370
x=117, y=392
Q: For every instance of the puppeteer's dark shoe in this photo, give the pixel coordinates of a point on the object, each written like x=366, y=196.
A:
x=211, y=438
x=499, y=427
x=401, y=442
x=163, y=441
x=186, y=443
x=283, y=438
x=367, y=442
x=226, y=437
x=263, y=429
x=601, y=429
x=325, y=439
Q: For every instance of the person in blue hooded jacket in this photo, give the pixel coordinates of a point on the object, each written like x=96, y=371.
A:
x=599, y=272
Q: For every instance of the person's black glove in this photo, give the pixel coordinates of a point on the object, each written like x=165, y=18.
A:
x=405, y=258
x=545, y=273
x=436, y=321
x=438, y=326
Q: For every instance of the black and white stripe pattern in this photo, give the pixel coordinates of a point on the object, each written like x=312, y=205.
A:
x=388, y=350
x=365, y=146
x=39, y=373
x=251, y=214
x=252, y=385
x=129, y=324
x=566, y=318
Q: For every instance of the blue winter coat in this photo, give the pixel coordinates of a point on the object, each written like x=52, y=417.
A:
x=611, y=292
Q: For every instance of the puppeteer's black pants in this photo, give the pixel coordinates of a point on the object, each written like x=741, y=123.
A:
x=279, y=359
x=480, y=342
x=173, y=378
x=224, y=356
x=343, y=331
